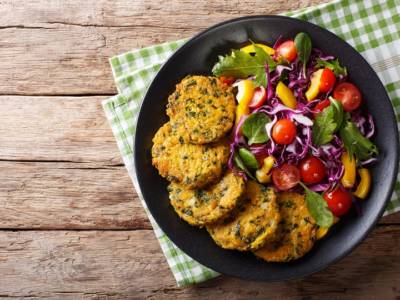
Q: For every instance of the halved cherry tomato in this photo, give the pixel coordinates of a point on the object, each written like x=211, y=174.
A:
x=227, y=80
x=327, y=80
x=349, y=95
x=321, y=106
x=312, y=170
x=339, y=201
x=285, y=177
x=259, y=97
x=284, y=132
x=287, y=50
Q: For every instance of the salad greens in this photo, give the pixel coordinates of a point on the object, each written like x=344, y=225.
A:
x=248, y=159
x=254, y=128
x=354, y=142
x=327, y=123
x=318, y=208
x=241, y=166
x=303, y=46
x=333, y=64
x=242, y=65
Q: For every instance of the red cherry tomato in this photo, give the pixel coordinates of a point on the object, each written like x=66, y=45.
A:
x=285, y=177
x=327, y=80
x=339, y=201
x=349, y=95
x=259, y=97
x=287, y=50
x=284, y=132
x=227, y=80
x=312, y=170
x=321, y=106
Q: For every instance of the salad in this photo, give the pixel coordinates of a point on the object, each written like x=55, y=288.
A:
x=299, y=125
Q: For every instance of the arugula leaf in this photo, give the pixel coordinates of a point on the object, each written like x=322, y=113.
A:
x=334, y=65
x=318, y=208
x=242, y=65
x=354, y=142
x=327, y=122
x=303, y=46
x=254, y=128
x=239, y=164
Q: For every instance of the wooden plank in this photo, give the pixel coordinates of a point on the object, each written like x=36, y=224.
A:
x=68, y=196
x=45, y=52
x=73, y=196
x=129, y=264
x=56, y=128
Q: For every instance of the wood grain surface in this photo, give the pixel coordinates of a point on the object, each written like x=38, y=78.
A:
x=72, y=226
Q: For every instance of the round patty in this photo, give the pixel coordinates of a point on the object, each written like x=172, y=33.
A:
x=204, y=206
x=193, y=166
x=297, y=230
x=202, y=109
x=255, y=221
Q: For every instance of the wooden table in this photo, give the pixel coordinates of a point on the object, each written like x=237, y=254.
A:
x=71, y=224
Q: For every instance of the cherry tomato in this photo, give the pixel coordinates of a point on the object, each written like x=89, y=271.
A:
x=287, y=50
x=259, y=97
x=327, y=80
x=339, y=201
x=285, y=177
x=312, y=170
x=349, y=95
x=321, y=106
x=227, y=80
x=284, y=132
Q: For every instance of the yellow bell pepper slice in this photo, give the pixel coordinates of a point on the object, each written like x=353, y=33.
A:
x=286, y=95
x=349, y=176
x=322, y=231
x=313, y=90
x=263, y=174
x=245, y=94
x=365, y=183
x=250, y=49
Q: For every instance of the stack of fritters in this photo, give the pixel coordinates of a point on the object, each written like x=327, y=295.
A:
x=191, y=151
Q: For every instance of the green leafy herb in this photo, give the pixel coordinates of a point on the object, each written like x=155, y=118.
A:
x=318, y=208
x=334, y=65
x=254, y=128
x=239, y=164
x=354, y=142
x=327, y=123
x=242, y=65
x=248, y=159
x=303, y=46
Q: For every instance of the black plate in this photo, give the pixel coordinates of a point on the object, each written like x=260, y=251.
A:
x=197, y=56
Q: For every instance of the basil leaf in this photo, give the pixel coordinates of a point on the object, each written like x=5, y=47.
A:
x=303, y=46
x=242, y=65
x=354, y=142
x=239, y=164
x=254, y=128
x=334, y=65
x=327, y=122
x=318, y=208
x=248, y=159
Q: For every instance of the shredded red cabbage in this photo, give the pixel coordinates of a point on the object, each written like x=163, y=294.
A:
x=330, y=154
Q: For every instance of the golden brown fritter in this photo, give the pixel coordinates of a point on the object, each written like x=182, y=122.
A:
x=193, y=166
x=204, y=206
x=297, y=230
x=255, y=221
x=202, y=109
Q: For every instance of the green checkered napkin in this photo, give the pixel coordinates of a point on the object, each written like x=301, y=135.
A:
x=372, y=27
